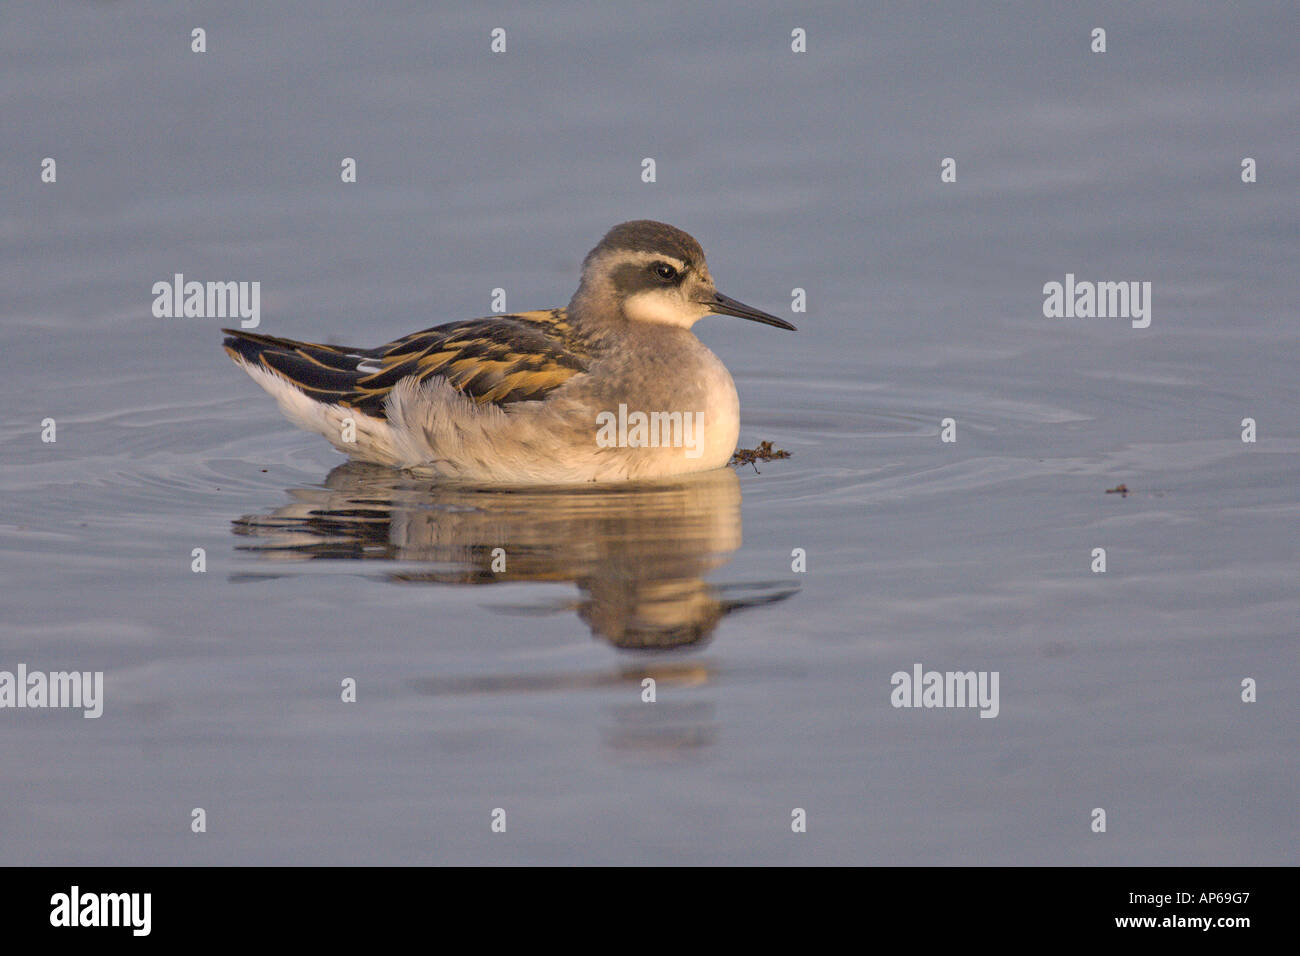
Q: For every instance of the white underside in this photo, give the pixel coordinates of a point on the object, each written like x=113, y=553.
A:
x=432, y=428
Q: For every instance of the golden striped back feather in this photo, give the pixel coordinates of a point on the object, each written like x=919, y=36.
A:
x=500, y=359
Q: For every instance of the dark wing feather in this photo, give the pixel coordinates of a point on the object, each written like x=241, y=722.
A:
x=502, y=359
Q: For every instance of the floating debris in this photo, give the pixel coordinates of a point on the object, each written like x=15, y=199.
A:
x=751, y=456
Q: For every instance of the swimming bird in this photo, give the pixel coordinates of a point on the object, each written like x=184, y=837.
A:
x=616, y=386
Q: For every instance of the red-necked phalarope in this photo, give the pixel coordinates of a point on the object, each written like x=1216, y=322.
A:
x=616, y=386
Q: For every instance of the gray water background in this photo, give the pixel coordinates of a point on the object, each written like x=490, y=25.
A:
x=818, y=170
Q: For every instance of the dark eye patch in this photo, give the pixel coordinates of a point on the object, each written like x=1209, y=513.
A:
x=631, y=278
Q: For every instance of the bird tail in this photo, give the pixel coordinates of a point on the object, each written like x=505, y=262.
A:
x=325, y=373
x=317, y=387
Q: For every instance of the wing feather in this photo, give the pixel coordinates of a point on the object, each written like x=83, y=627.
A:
x=501, y=359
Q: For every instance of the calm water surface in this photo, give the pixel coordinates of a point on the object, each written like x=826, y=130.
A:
x=522, y=689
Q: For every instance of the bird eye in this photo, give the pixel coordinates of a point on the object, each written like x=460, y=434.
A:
x=664, y=271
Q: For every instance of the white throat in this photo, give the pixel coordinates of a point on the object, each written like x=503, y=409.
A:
x=655, y=306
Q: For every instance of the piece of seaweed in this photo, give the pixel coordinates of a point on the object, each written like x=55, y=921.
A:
x=751, y=456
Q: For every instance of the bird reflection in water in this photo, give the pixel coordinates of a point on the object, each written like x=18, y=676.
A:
x=638, y=553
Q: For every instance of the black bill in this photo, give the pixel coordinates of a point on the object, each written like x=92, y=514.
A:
x=726, y=305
